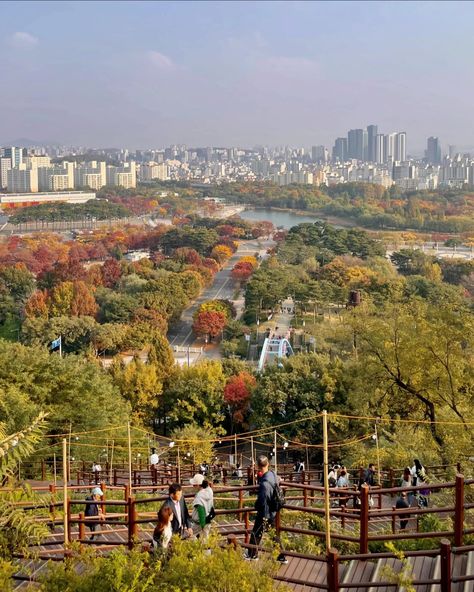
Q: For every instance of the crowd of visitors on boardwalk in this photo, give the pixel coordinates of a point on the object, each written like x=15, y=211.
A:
x=339, y=478
x=174, y=517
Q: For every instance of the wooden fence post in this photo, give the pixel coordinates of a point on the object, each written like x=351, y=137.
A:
x=241, y=503
x=333, y=570
x=67, y=534
x=102, y=497
x=459, y=511
x=445, y=565
x=131, y=519
x=115, y=477
x=52, y=492
x=305, y=497
x=247, y=528
x=394, y=509
x=364, y=519
x=82, y=527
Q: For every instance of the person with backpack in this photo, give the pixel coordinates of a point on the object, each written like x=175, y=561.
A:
x=93, y=511
x=269, y=501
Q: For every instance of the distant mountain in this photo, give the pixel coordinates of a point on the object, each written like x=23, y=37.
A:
x=27, y=142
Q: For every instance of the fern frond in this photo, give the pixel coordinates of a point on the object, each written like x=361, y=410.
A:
x=16, y=447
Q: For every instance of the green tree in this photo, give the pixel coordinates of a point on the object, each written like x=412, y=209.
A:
x=304, y=386
x=195, y=394
x=195, y=443
x=71, y=389
x=415, y=361
x=141, y=386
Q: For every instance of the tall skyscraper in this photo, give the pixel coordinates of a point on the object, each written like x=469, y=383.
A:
x=339, y=152
x=372, y=131
x=318, y=153
x=390, y=140
x=433, y=150
x=379, y=148
x=357, y=144
x=400, y=148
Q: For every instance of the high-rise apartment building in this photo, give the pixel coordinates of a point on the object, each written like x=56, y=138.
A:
x=90, y=174
x=123, y=176
x=372, y=131
x=153, y=170
x=433, y=150
x=339, y=152
x=357, y=144
x=37, y=161
x=22, y=180
x=319, y=154
x=15, y=154
x=5, y=166
x=56, y=178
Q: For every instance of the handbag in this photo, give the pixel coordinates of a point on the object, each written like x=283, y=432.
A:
x=210, y=517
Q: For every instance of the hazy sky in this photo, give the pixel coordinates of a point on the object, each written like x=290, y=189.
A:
x=147, y=74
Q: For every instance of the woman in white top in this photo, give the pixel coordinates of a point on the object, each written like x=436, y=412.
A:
x=163, y=531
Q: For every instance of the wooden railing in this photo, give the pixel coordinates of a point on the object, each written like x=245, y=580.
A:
x=363, y=524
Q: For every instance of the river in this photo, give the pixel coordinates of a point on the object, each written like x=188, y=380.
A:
x=278, y=218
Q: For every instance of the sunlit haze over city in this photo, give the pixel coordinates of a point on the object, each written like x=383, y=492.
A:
x=150, y=74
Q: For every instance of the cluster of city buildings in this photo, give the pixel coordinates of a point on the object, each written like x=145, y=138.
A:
x=364, y=155
x=22, y=171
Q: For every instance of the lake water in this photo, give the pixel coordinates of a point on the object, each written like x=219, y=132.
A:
x=278, y=218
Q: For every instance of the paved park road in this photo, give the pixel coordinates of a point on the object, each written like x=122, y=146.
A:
x=181, y=333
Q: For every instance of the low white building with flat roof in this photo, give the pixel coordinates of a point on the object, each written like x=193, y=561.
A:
x=72, y=197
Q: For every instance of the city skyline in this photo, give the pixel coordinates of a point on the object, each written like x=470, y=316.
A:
x=238, y=74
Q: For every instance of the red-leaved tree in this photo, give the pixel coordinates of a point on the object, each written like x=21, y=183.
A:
x=237, y=393
x=209, y=323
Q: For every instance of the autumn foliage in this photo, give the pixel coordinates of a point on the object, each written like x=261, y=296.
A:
x=237, y=393
x=209, y=323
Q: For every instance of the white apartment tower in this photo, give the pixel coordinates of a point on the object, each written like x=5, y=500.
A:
x=123, y=176
x=153, y=170
x=5, y=166
x=90, y=174
x=22, y=180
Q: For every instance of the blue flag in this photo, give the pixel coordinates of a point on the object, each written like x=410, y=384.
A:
x=56, y=344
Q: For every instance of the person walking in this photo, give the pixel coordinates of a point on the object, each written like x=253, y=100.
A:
x=418, y=473
x=402, y=503
x=163, y=530
x=154, y=459
x=181, y=521
x=265, y=506
x=203, y=510
x=93, y=511
x=406, y=483
x=343, y=483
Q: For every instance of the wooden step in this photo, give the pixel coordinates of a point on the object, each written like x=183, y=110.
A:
x=469, y=571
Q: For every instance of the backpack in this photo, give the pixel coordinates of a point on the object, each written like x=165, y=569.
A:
x=90, y=508
x=278, y=498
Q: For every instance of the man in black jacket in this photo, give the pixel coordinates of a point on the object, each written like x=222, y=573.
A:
x=181, y=522
x=264, y=505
